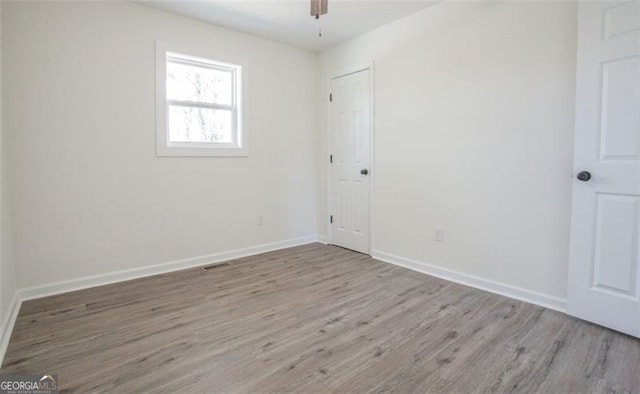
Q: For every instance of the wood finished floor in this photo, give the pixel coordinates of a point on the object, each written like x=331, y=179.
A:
x=313, y=318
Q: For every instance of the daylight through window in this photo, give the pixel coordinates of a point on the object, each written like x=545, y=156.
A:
x=202, y=106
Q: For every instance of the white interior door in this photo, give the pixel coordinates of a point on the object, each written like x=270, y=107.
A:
x=350, y=157
x=604, y=272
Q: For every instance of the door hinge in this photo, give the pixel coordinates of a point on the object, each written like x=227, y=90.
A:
x=330, y=96
x=330, y=218
x=330, y=158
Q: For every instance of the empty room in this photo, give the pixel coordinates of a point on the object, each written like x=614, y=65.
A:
x=320, y=196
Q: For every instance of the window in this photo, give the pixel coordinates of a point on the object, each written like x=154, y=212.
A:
x=199, y=105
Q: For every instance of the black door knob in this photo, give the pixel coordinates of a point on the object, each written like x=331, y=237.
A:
x=584, y=176
x=364, y=171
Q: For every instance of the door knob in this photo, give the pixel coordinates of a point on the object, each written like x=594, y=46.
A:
x=584, y=176
x=364, y=171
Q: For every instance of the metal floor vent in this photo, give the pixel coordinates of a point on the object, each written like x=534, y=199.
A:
x=212, y=266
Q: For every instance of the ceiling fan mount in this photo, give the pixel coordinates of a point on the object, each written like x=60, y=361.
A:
x=318, y=7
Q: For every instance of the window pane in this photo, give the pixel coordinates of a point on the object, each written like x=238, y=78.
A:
x=191, y=124
x=199, y=84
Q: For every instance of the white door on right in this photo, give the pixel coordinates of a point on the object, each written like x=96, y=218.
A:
x=604, y=271
x=350, y=152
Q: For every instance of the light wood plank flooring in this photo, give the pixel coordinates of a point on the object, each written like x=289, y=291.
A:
x=313, y=318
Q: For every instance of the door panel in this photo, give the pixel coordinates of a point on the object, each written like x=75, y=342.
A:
x=620, y=109
x=621, y=18
x=604, y=273
x=616, y=244
x=350, y=134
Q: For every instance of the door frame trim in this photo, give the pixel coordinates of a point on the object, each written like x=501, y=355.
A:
x=372, y=171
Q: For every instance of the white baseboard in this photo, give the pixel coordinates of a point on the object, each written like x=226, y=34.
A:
x=135, y=273
x=8, y=322
x=518, y=293
x=322, y=239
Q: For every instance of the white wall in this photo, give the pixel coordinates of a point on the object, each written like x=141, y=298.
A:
x=473, y=132
x=7, y=264
x=89, y=194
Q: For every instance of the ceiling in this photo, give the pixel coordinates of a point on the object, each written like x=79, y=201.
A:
x=290, y=21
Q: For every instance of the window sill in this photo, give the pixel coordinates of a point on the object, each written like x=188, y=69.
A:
x=168, y=151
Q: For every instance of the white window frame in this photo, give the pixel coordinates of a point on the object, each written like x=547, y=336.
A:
x=202, y=58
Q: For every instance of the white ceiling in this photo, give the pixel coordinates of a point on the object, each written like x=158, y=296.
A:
x=290, y=21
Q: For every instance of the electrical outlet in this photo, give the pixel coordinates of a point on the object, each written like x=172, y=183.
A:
x=438, y=234
x=260, y=220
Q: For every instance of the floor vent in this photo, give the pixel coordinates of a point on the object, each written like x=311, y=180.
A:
x=212, y=266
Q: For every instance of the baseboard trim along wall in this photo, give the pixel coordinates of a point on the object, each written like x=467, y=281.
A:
x=8, y=322
x=121, y=276
x=135, y=273
x=518, y=293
